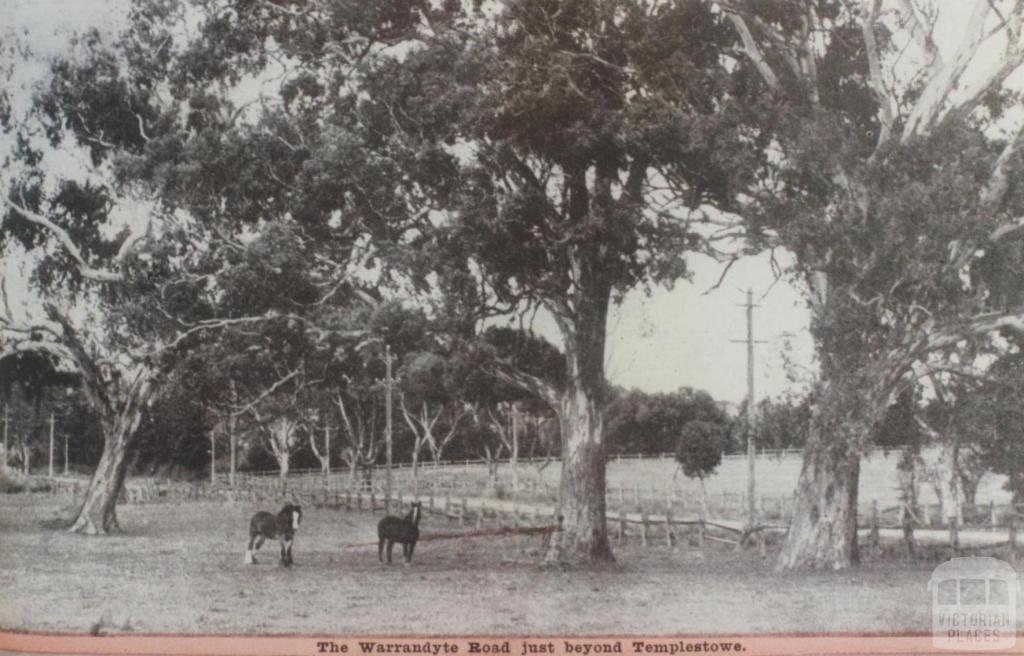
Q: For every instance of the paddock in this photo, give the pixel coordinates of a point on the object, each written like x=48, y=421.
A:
x=179, y=568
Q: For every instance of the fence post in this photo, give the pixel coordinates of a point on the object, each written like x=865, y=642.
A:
x=643, y=528
x=622, y=527
x=373, y=501
x=873, y=541
x=1013, y=533
x=463, y=509
x=954, y=537
x=668, y=530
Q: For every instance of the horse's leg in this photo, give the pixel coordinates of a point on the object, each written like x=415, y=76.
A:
x=288, y=552
x=249, y=559
x=412, y=547
x=259, y=541
x=391, y=545
x=380, y=550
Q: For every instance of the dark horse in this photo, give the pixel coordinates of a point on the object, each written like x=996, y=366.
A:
x=405, y=530
x=282, y=526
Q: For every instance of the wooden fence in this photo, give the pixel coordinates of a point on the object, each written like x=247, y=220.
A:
x=668, y=521
x=469, y=464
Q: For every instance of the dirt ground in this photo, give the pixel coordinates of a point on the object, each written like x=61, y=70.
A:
x=179, y=568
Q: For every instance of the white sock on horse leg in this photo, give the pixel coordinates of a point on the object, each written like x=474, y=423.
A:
x=248, y=557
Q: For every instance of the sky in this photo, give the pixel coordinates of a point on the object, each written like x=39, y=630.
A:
x=688, y=336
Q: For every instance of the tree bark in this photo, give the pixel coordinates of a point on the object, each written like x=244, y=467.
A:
x=415, y=467
x=98, y=512
x=513, y=460
x=353, y=473
x=583, y=537
x=823, y=532
x=281, y=430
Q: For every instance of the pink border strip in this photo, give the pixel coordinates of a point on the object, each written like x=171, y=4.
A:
x=680, y=645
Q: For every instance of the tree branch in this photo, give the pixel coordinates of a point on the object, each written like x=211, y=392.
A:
x=750, y=47
x=920, y=34
x=929, y=106
x=527, y=382
x=267, y=392
x=885, y=114
x=87, y=271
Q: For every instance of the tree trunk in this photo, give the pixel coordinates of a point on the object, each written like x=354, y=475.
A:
x=415, y=466
x=583, y=537
x=823, y=532
x=281, y=430
x=952, y=481
x=584, y=534
x=353, y=472
x=97, y=515
x=513, y=460
x=26, y=457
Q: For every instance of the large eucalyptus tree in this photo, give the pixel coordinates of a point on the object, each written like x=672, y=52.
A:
x=895, y=181
x=174, y=219
x=505, y=155
x=573, y=146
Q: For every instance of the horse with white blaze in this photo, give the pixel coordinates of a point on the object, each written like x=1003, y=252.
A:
x=282, y=526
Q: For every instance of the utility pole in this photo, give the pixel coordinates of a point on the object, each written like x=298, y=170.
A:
x=67, y=438
x=750, y=418
x=387, y=427
x=51, y=443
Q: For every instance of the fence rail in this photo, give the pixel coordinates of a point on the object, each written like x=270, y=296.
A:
x=427, y=465
x=672, y=521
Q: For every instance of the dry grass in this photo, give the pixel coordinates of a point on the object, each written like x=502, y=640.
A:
x=179, y=569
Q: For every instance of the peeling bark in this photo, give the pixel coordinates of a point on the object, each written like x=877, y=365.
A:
x=583, y=536
x=823, y=534
x=98, y=512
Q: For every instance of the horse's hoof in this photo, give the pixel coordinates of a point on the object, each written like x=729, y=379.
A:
x=249, y=559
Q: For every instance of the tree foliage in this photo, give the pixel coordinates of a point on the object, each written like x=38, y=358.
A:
x=895, y=190
x=699, y=451
x=650, y=424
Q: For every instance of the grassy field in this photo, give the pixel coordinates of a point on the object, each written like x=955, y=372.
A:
x=179, y=568
x=776, y=478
